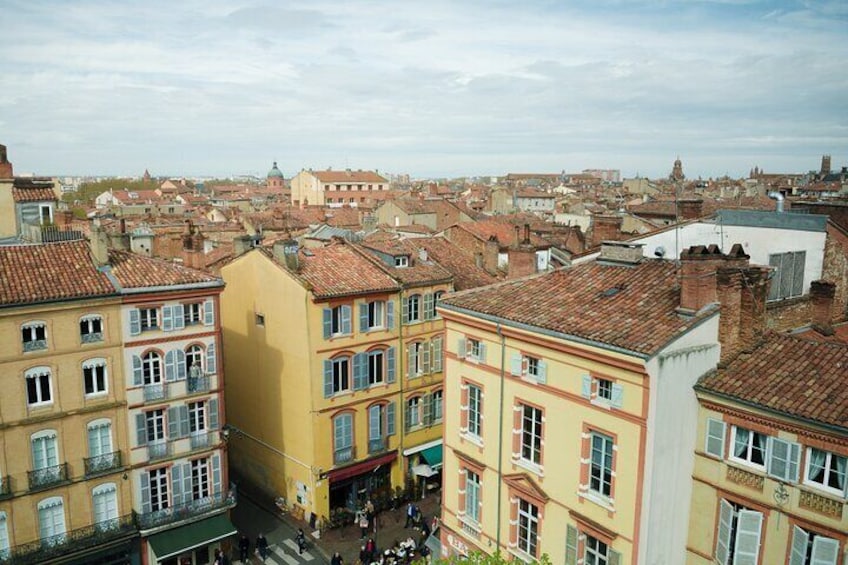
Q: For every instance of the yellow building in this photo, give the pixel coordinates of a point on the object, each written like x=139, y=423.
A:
x=64, y=449
x=771, y=455
x=569, y=409
x=336, y=188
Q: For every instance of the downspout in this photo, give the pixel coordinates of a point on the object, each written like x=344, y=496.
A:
x=500, y=436
x=401, y=375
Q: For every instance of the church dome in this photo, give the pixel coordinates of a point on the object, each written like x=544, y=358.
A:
x=275, y=172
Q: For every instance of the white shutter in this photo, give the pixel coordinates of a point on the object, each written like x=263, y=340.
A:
x=825, y=551
x=167, y=319
x=461, y=350
x=617, y=395
x=715, y=438
x=586, y=386
x=570, y=545
x=748, y=537
x=800, y=539
x=780, y=463
x=178, y=311
x=725, y=520
x=515, y=363
x=208, y=312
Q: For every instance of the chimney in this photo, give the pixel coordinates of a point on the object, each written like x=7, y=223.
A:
x=285, y=252
x=605, y=227
x=99, y=243
x=5, y=165
x=622, y=252
x=526, y=234
x=729, y=293
x=690, y=209
x=752, y=311
x=242, y=244
x=821, y=298
x=698, y=266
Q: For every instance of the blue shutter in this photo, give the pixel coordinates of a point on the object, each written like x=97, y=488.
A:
x=390, y=419
x=586, y=386
x=141, y=429
x=570, y=545
x=515, y=364
x=411, y=354
x=216, y=473
x=436, y=359
x=184, y=427
x=188, y=491
x=428, y=306
x=170, y=366
x=360, y=371
x=211, y=359
x=181, y=364
x=617, y=396
x=145, y=493
x=328, y=323
x=173, y=423
x=177, y=484
x=725, y=523
x=328, y=378
x=461, y=348
x=390, y=365
x=542, y=372
x=363, y=317
x=178, y=311
x=714, y=444
x=209, y=312
x=213, y=414
x=135, y=322
x=405, y=310
x=482, y=358
x=138, y=374
x=167, y=319
x=390, y=314
x=346, y=311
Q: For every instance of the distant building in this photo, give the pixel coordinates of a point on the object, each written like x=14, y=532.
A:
x=677, y=171
x=275, y=179
x=339, y=188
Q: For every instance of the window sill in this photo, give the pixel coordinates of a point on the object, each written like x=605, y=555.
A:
x=823, y=491
x=748, y=466
x=471, y=438
x=525, y=557
x=96, y=395
x=600, y=403
x=530, y=466
x=598, y=499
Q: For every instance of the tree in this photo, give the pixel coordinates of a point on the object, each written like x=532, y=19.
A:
x=480, y=558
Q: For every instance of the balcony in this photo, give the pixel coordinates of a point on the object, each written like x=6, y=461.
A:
x=46, y=477
x=95, y=337
x=100, y=464
x=35, y=345
x=5, y=487
x=343, y=455
x=200, y=440
x=376, y=445
x=81, y=539
x=155, y=391
x=158, y=450
x=185, y=511
x=198, y=384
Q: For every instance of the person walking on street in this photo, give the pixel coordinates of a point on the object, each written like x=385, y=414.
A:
x=244, y=548
x=301, y=541
x=410, y=515
x=337, y=559
x=371, y=550
x=262, y=546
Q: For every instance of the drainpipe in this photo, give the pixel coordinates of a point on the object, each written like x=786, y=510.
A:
x=779, y=197
x=401, y=375
x=500, y=435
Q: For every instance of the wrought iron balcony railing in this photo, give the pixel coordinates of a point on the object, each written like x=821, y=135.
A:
x=158, y=450
x=201, y=440
x=376, y=445
x=5, y=487
x=192, y=509
x=42, y=550
x=198, y=384
x=102, y=463
x=94, y=337
x=343, y=455
x=35, y=345
x=47, y=476
x=155, y=391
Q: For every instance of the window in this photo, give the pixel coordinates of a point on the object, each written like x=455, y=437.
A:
x=602, y=392
x=528, y=527
x=436, y=406
x=51, y=521
x=158, y=482
x=91, y=329
x=100, y=439
x=94, y=376
x=155, y=425
x=738, y=536
x=376, y=314
x=337, y=321
x=194, y=360
x=148, y=318
x=45, y=211
x=472, y=496
x=476, y=350
x=151, y=368
x=413, y=309
x=192, y=314
x=809, y=548
x=788, y=279
x=419, y=359
x=4, y=537
x=596, y=552
x=600, y=464
x=438, y=354
x=341, y=374
x=749, y=447
x=199, y=478
x=45, y=452
x=605, y=389
x=260, y=320
x=39, y=392
x=402, y=261
x=529, y=434
x=529, y=366
x=826, y=470
x=475, y=410
x=437, y=296
x=413, y=412
x=34, y=336
x=343, y=438
x=375, y=367
x=104, y=500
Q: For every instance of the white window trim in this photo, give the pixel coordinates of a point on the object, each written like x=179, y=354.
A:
x=731, y=450
x=92, y=363
x=818, y=486
x=36, y=372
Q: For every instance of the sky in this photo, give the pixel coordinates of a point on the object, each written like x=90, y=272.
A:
x=442, y=88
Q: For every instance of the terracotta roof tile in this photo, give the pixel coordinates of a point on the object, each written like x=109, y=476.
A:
x=466, y=273
x=503, y=231
x=342, y=177
x=421, y=269
x=137, y=271
x=32, y=192
x=55, y=271
x=631, y=307
x=788, y=374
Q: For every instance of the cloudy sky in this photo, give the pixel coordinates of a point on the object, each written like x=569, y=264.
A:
x=436, y=88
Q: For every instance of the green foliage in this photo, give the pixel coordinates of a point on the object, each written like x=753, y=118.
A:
x=480, y=558
x=88, y=191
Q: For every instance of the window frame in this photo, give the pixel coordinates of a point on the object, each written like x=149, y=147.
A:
x=189, y=311
x=376, y=360
x=476, y=349
x=152, y=365
x=89, y=369
x=342, y=374
x=603, y=473
x=475, y=415
x=338, y=425
x=531, y=438
x=600, y=556
x=472, y=503
x=33, y=342
x=529, y=519
x=160, y=494
x=413, y=309
x=87, y=329
x=437, y=408
x=376, y=319
x=42, y=376
x=149, y=319
x=750, y=448
x=830, y=467
x=201, y=479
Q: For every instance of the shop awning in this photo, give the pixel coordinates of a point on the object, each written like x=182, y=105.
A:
x=433, y=456
x=419, y=448
x=424, y=470
x=185, y=538
x=359, y=468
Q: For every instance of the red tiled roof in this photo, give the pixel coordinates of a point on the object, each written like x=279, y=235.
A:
x=503, y=231
x=631, y=307
x=137, y=271
x=33, y=193
x=55, y=271
x=839, y=335
x=466, y=273
x=791, y=375
x=421, y=270
x=342, y=177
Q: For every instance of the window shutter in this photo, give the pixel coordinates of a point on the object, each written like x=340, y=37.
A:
x=794, y=462
x=425, y=358
x=825, y=551
x=360, y=371
x=408, y=416
x=390, y=419
x=787, y=268
x=173, y=423
x=328, y=323
x=390, y=365
x=463, y=408
x=328, y=378
x=482, y=353
x=135, y=322
x=715, y=438
x=141, y=429
x=798, y=279
x=177, y=484
x=613, y=557
x=346, y=323
x=436, y=358
x=145, y=493
x=570, y=545
x=170, y=366
x=184, y=426
x=617, y=398
x=390, y=314
x=374, y=417
x=363, y=317
x=800, y=540
x=178, y=311
x=515, y=364
x=216, y=473
x=461, y=346
x=586, y=386
x=188, y=493
x=405, y=310
x=774, y=288
x=428, y=306
x=213, y=414
x=211, y=359
x=725, y=520
x=778, y=458
x=542, y=372
x=209, y=312
x=411, y=354
x=138, y=374
x=747, y=537
x=167, y=319
x=424, y=405
x=181, y=364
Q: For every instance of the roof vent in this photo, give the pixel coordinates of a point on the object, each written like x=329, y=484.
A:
x=621, y=252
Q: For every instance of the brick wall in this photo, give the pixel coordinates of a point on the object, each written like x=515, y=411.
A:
x=783, y=315
x=835, y=270
x=472, y=246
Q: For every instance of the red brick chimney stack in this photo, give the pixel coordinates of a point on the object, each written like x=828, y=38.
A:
x=821, y=295
x=5, y=165
x=605, y=227
x=752, y=311
x=698, y=266
x=690, y=209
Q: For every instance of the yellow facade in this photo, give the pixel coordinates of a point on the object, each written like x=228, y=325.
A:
x=74, y=470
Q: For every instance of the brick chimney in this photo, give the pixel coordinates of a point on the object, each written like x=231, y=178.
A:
x=729, y=292
x=5, y=165
x=698, y=266
x=605, y=227
x=690, y=208
x=192, y=251
x=752, y=306
x=821, y=299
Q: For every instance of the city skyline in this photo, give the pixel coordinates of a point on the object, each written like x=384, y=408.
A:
x=436, y=89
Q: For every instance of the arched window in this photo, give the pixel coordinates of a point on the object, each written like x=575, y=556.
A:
x=38, y=386
x=94, y=376
x=104, y=500
x=51, y=521
x=151, y=367
x=34, y=336
x=91, y=328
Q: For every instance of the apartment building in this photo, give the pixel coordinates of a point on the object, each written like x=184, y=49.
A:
x=337, y=188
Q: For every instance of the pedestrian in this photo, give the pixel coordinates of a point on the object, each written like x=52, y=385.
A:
x=371, y=549
x=416, y=517
x=363, y=525
x=301, y=541
x=262, y=546
x=410, y=515
x=372, y=515
x=337, y=559
x=364, y=558
x=425, y=528
x=218, y=559
x=244, y=548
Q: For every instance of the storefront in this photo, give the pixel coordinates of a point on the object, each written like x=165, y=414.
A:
x=425, y=463
x=192, y=544
x=352, y=486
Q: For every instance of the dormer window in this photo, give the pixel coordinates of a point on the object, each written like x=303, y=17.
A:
x=34, y=336
x=402, y=261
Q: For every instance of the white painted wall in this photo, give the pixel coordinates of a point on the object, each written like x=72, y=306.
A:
x=672, y=429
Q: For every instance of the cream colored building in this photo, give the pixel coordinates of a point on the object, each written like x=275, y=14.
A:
x=335, y=188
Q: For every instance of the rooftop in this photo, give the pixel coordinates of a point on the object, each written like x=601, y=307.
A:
x=137, y=271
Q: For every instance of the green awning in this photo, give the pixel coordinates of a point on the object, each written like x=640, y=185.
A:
x=433, y=456
x=185, y=538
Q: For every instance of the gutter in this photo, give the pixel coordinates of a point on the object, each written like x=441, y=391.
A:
x=188, y=286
